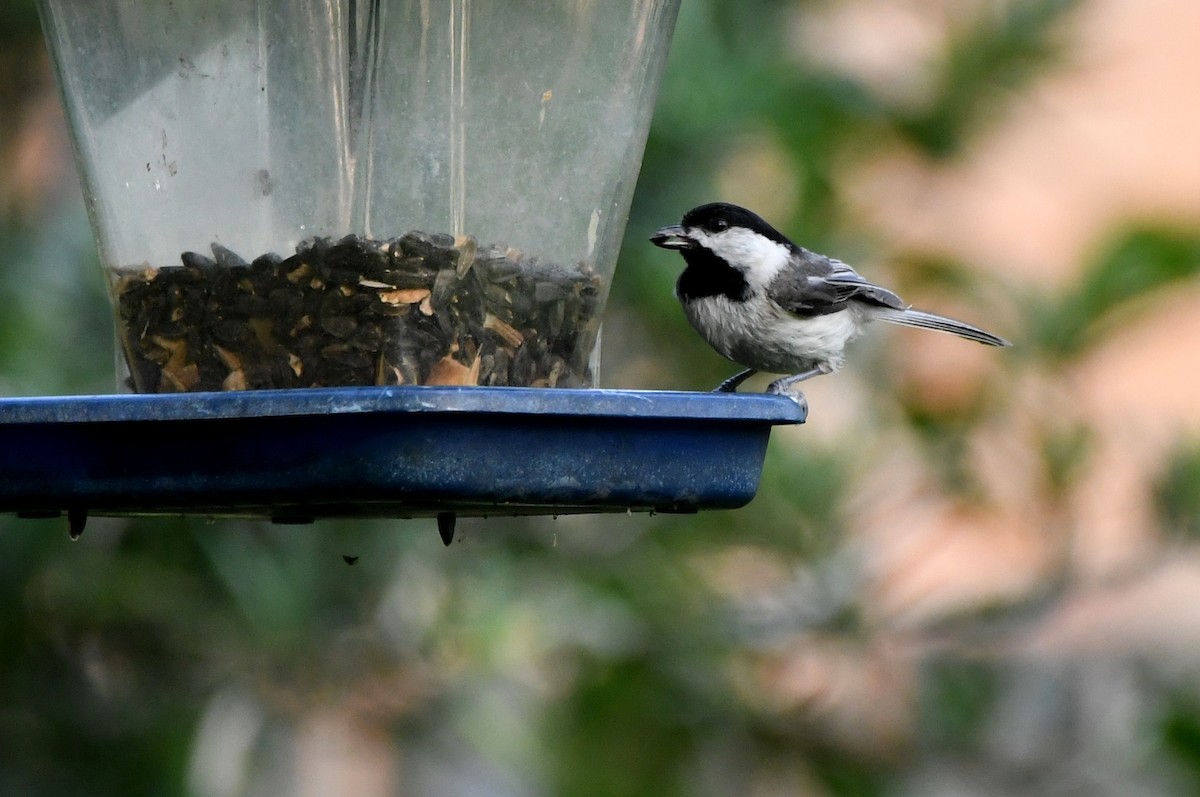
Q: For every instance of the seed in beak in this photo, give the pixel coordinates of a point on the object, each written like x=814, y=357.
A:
x=672, y=237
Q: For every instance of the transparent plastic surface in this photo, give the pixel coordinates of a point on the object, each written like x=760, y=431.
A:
x=289, y=193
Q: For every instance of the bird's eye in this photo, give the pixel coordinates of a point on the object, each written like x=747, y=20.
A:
x=718, y=225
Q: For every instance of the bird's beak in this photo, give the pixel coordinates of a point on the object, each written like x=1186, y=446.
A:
x=672, y=237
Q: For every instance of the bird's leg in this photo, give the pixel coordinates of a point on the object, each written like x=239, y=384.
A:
x=784, y=386
x=731, y=384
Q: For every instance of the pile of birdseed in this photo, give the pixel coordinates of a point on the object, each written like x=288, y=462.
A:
x=422, y=309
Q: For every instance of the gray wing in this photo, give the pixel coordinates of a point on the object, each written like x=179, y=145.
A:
x=817, y=285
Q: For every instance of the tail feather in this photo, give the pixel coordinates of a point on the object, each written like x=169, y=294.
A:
x=923, y=320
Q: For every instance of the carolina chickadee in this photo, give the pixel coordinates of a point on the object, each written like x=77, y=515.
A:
x=772, y=306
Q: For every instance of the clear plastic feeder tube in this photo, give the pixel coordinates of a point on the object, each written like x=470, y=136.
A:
x=296, y=193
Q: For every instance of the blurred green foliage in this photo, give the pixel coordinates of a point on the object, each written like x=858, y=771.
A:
x=1177, y=493
x=987, y=63
x=579, y=656
x=959, y=699
x=1138, y=264
x=1180, y=729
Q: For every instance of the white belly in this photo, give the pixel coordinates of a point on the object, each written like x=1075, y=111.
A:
x=758, y=334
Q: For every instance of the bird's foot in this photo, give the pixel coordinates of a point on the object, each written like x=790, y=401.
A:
x=785, y=387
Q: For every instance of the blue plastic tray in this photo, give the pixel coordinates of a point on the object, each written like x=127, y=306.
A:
x=297, y=455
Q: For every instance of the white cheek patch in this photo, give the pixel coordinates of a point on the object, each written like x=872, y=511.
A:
x=759, y=258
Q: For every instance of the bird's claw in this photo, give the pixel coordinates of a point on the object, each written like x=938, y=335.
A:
x=730, y=385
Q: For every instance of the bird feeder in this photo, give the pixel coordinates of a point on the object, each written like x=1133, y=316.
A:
x=316, y=193
x=296, y=201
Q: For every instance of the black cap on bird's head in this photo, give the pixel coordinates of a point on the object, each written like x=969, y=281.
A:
x=714, y=218
x=726, y=248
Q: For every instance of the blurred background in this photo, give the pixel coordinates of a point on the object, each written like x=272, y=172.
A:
x=972, y=572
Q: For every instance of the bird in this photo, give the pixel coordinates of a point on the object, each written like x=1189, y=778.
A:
x=770, y=305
